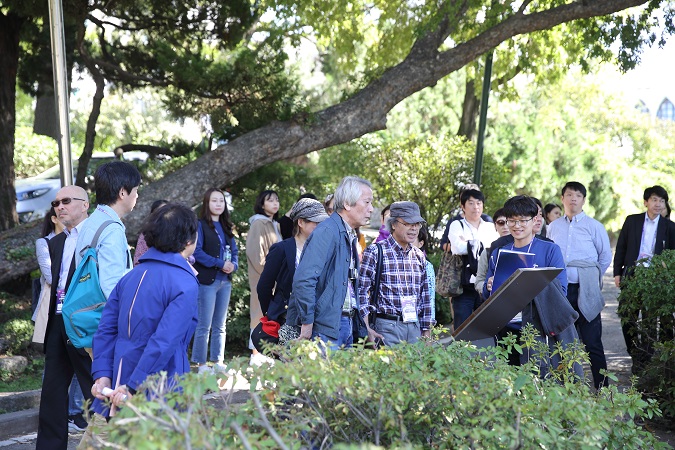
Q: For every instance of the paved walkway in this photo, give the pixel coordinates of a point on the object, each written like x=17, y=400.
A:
x=618, y=360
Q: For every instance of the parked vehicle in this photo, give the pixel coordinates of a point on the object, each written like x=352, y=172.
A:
x=34, y=195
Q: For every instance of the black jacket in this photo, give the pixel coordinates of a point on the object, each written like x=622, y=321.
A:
x=56, y=245
x=276, y=280
x=628, y=245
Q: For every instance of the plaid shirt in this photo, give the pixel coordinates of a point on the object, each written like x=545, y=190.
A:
x=404, y=272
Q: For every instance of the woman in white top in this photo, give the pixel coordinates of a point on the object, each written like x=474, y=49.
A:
x=469, y=237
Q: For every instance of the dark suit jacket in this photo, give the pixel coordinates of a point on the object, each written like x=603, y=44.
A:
x=56, y=255
x=276, y=280
x=628, y=245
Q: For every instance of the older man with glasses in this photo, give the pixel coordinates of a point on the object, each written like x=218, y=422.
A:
x=62, y=359
x=399, y=305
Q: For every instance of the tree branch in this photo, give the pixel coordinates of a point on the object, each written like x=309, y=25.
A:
x=363, y=113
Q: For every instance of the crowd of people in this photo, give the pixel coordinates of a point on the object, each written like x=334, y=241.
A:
x=311, y=276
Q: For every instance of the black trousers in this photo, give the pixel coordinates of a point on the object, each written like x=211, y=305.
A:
x=590, y=334
x=62, y=360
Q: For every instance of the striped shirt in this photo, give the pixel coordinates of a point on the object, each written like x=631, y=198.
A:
x=404, y=273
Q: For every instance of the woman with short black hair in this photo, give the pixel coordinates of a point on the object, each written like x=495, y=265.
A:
x=151, y=314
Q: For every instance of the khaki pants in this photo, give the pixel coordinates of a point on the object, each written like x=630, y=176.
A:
x=95, y=433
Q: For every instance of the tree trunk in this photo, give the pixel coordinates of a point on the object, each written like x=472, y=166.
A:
x=90, y=133
x=10, y=26
x=470, y=106
x=363, y=113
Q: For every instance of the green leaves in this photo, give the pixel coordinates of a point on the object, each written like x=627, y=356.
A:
x=410, y=396
x=651, y=290
x=427, y=170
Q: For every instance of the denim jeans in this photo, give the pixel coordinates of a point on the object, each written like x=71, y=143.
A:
x=346, y=338
x=75, y=398
x=464, y=305
x=396, y=331
x=590, y=334
x=212, y=303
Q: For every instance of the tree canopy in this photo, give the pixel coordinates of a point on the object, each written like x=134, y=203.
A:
x=209, y=58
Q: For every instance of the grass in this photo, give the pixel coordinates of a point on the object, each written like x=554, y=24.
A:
x=28, y=380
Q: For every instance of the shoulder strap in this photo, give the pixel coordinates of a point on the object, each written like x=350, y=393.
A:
x=94, y=241
x=378, y=272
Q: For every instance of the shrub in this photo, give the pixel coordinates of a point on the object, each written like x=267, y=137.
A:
x=413, y=396
x=652, y=289
x=19, y=333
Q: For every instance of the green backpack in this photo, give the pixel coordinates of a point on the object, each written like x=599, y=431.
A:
x=84, y=301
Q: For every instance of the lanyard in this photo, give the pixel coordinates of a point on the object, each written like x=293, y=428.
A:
x=528, y=248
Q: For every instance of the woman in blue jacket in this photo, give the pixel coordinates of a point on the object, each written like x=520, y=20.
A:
x=151, y=314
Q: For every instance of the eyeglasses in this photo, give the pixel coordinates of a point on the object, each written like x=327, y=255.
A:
x=410, y=225
x=501, y=222
x=514, y=223
x=65, y=201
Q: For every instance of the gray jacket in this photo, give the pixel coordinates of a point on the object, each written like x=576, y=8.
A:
x=553, y=316
x=590, y=300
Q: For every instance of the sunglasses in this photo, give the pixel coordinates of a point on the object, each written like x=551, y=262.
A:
x=65, y=201
x=501, y=223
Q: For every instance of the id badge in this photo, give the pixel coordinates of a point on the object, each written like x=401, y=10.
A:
x=409, y=308
x=60, y=295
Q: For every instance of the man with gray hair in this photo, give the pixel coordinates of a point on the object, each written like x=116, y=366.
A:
x=325, y=284
x=399, y=302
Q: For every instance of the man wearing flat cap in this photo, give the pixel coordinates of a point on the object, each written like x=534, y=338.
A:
x=401, y=310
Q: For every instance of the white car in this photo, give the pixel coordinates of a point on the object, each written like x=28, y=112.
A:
x=34, y=195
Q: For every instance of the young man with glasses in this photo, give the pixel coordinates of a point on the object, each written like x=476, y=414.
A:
x=402, y=309
x=585, y=246
x=521, y=218
x=521, y=213
x=62, y=359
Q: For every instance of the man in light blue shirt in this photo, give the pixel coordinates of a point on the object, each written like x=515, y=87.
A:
x=117, y=185
x=585, y=246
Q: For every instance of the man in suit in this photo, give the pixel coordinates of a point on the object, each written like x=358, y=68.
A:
x=62, y=359
x=642, y=236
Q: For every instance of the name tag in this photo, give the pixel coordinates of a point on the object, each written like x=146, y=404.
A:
x=409, y=308
x=60, y=295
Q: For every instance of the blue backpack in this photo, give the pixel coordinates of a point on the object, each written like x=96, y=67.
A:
x=84, y=301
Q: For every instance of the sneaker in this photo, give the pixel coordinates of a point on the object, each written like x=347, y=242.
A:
x=76, y=423
x=220, y=368
x=258, y=359
x=204, y=368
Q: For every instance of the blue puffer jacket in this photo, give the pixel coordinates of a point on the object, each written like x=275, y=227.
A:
x=147, y=322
